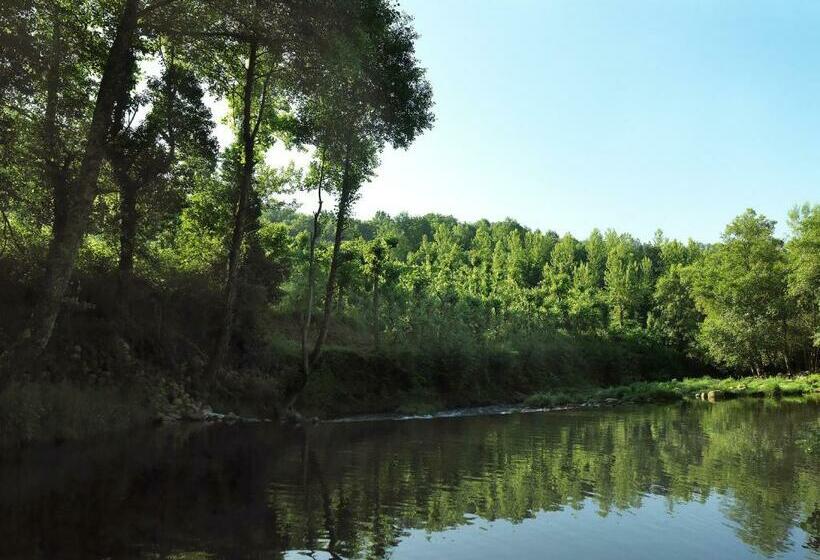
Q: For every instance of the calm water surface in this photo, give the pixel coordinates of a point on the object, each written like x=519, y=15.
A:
x=729, y=480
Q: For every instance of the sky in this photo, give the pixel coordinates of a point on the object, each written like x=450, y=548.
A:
x=633, y=114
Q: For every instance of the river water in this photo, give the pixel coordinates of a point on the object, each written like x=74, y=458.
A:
x=736, y=479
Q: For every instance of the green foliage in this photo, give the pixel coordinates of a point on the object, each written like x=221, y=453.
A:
x=803, y=253
x=674, y=318
x=741, y=289
x=628, y=280
x=456, y=312
x=551, y=400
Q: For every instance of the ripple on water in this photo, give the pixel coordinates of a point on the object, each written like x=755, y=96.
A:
x=728, y=480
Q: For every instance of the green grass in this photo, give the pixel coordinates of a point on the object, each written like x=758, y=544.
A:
x=670, y=391
x=554, y=399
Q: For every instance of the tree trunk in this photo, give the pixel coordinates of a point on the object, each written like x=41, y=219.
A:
x=128, y=234
x=376, y=330
x=341, y=219
x=124, y=162
x=311, y=283
x=55, y=179
x=813, y=351
x=121, y=165
x=63, y=248
x=240, y=217
x=786, y=346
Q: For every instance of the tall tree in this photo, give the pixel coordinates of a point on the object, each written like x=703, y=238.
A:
x=628, y=282
x=161, y=151
x=115, y=80
x=740, y=288
x=375, y=93
x=264, y=41
x=803, y=251
x=249, y=128
x=674, y=317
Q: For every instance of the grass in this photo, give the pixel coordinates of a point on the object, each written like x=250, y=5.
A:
x=674, y=390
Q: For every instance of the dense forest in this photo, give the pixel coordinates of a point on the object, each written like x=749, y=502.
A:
x=136, y=252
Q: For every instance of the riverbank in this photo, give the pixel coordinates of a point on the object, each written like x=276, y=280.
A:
x=56, y=412
x=706, y=388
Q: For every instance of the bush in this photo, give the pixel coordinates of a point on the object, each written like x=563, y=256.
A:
x=550, y=400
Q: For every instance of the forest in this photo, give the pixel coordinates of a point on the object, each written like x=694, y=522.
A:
x=144, y=268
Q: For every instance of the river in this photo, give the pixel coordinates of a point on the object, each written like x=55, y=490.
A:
x=735, y=479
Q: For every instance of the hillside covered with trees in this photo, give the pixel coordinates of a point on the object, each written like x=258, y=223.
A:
x=142, y=263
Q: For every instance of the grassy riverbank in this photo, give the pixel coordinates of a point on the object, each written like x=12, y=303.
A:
x=55, y=412
x=674, y=390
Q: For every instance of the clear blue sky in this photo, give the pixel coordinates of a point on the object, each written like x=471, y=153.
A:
x=575, y=114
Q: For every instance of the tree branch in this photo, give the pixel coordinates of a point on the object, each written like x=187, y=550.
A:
x=262, y=102
x=158, y=4
x=11, y=234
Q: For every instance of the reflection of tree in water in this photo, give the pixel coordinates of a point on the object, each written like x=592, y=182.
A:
x=756, y=463
x=354, y=490
x=514, y=468
x=812, y=528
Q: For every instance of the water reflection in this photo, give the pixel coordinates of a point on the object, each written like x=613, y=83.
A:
x=680, y=480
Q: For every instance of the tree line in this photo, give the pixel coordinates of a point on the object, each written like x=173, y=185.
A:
x=121, y=215
x=747, y=303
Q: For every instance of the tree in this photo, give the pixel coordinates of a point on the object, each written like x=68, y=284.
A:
x=740, y=288
x=480, y=258
x=803, y=253
x=674, y=318
x=163, y=150
x=585, y=310
x=375, y=93
x=255, y=91
x=628, y=280
x=558, y=276
x=596, y=251
x=268, y=46
x=72, y=213
x=380, y=269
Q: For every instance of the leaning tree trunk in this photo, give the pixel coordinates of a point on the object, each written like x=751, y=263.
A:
x=311, y=280
x=62, y=251
x=240, y=218
x=309, y=362
x=345, y=198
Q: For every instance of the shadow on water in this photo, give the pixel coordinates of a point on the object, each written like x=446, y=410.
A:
x=732, y=474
